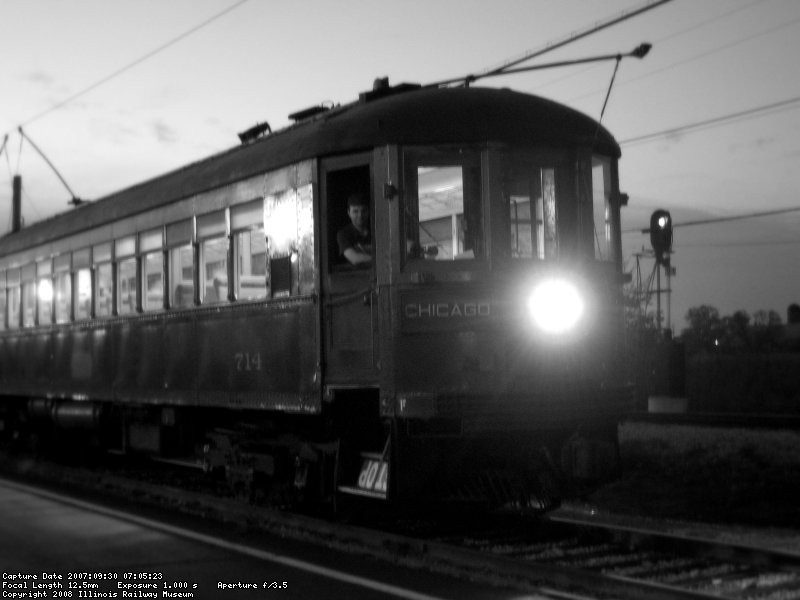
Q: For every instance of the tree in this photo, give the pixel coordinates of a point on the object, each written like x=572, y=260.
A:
x=710, y=332
x=735, y=336
x=767, y=330
x=705, y=329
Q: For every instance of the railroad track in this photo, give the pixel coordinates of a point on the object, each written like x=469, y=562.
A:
x=558, y=557
x=753, y=421
x=642, y=563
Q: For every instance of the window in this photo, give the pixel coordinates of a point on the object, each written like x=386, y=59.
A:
x=601, y=207
x=103, y=280
x=180, y=257
x=282, y=224
x=2, y=300
x=82, y=284
x=62, y=265
x=125, y=256
x=250, y=250
x=213, y=239
x=151, y=245
x=13, y=299
x=29, y=296
x=44, y=290
x=443, y=219
x=532, y=212
x=342, y=184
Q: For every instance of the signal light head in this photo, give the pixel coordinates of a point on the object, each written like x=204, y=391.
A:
x=661, y=235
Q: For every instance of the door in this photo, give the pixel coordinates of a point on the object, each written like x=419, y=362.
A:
x=350, y=311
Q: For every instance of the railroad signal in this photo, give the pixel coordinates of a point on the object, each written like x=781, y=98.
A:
x=661, y=235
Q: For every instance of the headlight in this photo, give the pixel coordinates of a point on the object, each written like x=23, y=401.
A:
x=556, y=305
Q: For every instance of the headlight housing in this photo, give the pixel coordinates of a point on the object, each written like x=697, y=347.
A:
x=556, y=306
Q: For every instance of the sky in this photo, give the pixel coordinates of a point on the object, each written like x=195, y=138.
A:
x=115, y=93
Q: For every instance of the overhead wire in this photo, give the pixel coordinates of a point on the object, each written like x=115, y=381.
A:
x=698, y=25
x=58, y=105
x=506, y=67
x=750, y=113
x=712, y=220
x=695, y=57
x=550, y=46
x=133, y=63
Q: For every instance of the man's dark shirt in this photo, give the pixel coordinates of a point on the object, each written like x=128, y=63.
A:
x=350, y=237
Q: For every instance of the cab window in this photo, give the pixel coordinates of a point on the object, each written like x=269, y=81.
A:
x=443, y=215
x=601, y=208
x=349, y=217
x=532, y=212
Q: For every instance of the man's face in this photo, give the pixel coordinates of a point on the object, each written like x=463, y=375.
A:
x=359, y=216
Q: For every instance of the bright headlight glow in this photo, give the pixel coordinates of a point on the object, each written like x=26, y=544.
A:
x=556, y=305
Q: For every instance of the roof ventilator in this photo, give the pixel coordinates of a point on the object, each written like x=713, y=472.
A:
x=256, y=131
x=381, y=88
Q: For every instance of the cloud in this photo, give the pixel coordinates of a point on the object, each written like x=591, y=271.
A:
x=39, y=77
x=163, y=132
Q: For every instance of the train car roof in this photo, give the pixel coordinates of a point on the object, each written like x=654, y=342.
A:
x=402, y=115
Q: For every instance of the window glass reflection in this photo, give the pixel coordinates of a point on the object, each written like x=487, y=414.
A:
x=443, y=222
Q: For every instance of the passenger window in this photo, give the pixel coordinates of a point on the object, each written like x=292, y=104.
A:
x=82, y=282
x=63, y=288
x=125, y=256
x=281, y=229
x=103, y=280
x=29, y=296
x=83, y=294
x=532, y=213
x=13, y=303
x=250, y=250
x=2, y=301
x=181, y=264
x=29, y=304
x=153, y=281
x=443, y=216
x=251, y=264
x=213, y=239
x=44, y=290
x=181, y=276
x=151, y=245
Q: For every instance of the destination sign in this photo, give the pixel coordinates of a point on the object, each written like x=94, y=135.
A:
x=424, y=312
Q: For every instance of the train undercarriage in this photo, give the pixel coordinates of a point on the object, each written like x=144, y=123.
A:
x=347, y=451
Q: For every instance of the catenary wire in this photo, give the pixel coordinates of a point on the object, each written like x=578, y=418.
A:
x=751, y=113
x=657, y=42
x=695, y=57
x=133, y=64
x=712, y=220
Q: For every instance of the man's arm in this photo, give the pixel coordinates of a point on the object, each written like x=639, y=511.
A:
x=356, y=257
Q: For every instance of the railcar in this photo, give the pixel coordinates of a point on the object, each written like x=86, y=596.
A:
x=207, y=314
